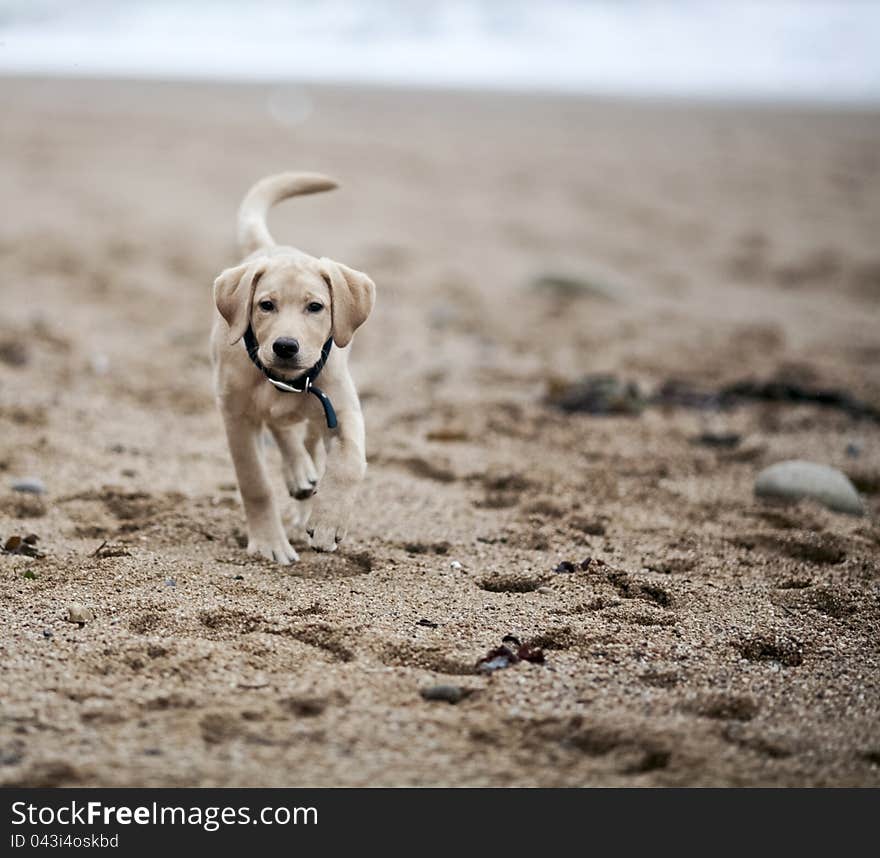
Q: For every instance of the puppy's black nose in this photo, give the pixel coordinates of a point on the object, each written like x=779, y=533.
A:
x=285, y=347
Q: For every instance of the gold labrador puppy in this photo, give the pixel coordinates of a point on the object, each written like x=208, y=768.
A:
x=279, y=315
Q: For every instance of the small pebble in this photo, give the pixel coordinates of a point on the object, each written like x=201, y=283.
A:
x=99, y=363
x=570, y=286
x=80, y=614
x=29, y=485
x=796, y=479
x=47, y=633
x=170, y=582
x=455, y=565
x=448, y=693
x=718, y=439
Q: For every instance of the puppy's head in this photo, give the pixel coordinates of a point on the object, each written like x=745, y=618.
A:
x=293, y=307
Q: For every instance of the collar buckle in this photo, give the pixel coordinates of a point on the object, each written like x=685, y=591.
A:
x=287, y=388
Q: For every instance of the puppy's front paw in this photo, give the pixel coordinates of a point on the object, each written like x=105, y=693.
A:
x=300, y=478
x=325, y=536
x=279, y=550
x=302, y=491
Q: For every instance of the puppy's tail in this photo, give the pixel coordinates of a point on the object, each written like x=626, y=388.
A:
x=253, y=233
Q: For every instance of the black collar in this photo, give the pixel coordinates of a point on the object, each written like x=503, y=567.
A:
x=301, y=384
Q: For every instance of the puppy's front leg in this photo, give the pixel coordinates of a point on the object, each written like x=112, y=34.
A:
x=346, y=466
x=266, y=535
x=299, y=471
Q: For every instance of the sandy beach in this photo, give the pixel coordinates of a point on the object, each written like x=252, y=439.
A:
x=519, y=244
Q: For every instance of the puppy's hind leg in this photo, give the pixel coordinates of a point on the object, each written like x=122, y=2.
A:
x=266, y=535
x=297, y=466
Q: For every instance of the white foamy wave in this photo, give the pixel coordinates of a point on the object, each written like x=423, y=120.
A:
x=815, y=49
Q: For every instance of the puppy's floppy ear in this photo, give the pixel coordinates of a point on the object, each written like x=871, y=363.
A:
x=233, y=293
x=352, y=294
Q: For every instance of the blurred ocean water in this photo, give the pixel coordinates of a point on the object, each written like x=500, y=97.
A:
x=768, y=49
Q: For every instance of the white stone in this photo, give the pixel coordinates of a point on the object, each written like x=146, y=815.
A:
x=29, y=485
x=797, y=479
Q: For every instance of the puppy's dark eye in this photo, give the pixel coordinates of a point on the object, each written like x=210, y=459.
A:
x=315, y=307
x=267, y=306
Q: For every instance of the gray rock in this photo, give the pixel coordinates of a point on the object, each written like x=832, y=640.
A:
x=13, y=353
x=447, y=693
x=797, y=479
x=99, y=363
x=598, y=284
x=29, y=485
x=598, y=394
